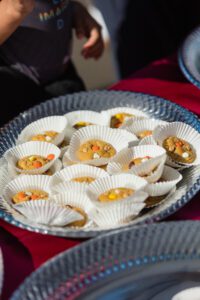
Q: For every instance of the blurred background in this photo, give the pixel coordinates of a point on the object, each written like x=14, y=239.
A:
x=87, y=69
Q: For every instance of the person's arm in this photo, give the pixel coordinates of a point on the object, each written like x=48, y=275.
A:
x=86, y=26
x=12, y=13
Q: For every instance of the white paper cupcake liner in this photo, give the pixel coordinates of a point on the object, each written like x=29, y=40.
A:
x=182, y=131
x=153, y=176
x=89, y=116
x=92, y=117
x=112, y=216
x=170, y=176
x=64, y=149
x=48, y=213
x=119, y=139
x=158, y=200
x=69, y=186
x=124, y=157
x=26, y=182
x=54, y=123
x=74, y=199
x=77, y=171
x=66, y=161
x=135, y=112
x=32, y=148
x=148, y=140
x=142, y=125
x=57, y=166
x=102, y=185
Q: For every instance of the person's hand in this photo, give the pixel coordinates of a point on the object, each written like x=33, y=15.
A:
x=86, y=26
x=18, y=8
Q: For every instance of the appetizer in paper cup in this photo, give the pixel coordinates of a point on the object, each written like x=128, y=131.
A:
x=144, y=161
x=148, y=140
x=169, y=179
x=78, y=173
x=26, y=188
x=79, y=202
x=143, y=128
x=120, y=215
x=68, y=186
x=49, y=129
x=120, y=115
x=49, y=213
x=57, y=166
x=110, y=191
x=82, y=118
x=96, y=145
x=181, y=142
x=32, y=157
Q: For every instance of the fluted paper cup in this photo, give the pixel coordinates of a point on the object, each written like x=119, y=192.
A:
x=142, y=125
x=68, y=186
x=48, y=213
x=119, y=139
x=136, y=114
x=74, y=199
x=105, y=184
x=148, y=140
x=77, y=171
x=24, y=183
x=120, y=215
x=57, y=166
x=87, y=116
x=120, y=163
x=54, y=123
x=182, y=131
x=43, y=149
x=66, y=161
x=170, y=178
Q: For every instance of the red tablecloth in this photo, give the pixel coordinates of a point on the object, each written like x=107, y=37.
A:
x=25, y=251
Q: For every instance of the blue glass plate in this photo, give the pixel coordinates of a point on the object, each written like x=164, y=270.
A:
x=99, y=100
x=189, y=57
x=147, y=262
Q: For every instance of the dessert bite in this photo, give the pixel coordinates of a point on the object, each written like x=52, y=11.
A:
x=179, y=150
x=115, y=194
x=47, y=136
x=144, y=133
x=95, y=149
x=80, y=125
x=29, y=195
x=119, y=119
x=33, y=162
x=138, y=161
x=80, y=223
x=86, y=180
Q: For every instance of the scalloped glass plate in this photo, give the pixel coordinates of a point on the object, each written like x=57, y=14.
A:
x=142, y=263
x=97, y=101
x=189, y=57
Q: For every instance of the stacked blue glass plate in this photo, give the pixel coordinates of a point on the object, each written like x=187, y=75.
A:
x=189, y=57
x=148, y=262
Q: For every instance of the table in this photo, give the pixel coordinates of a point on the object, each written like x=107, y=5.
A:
x=24, y=251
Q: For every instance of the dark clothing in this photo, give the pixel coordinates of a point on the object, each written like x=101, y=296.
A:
x=148, y=29
x=19, y=92
x=35, y=61
x=40, y=48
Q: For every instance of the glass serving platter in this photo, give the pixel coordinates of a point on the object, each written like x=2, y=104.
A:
x=155, y=107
